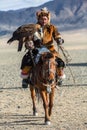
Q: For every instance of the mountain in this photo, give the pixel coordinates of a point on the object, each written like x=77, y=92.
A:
x=67, y=15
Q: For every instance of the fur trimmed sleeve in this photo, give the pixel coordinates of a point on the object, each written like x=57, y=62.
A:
x=56, y=34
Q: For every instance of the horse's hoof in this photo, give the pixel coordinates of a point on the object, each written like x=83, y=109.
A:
x=35, y=114
x=47, y=123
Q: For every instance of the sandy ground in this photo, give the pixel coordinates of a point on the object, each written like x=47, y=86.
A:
x=70, y=103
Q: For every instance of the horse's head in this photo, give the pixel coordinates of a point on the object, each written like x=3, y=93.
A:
x=48, y=67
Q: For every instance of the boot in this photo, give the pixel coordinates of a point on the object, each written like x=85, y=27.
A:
x=61, y=75
x=60, y=72
x=25, y=83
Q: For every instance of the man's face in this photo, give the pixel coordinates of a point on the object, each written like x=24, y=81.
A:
x=43, y=20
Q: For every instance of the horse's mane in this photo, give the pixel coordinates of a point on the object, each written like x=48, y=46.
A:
x=45, y=56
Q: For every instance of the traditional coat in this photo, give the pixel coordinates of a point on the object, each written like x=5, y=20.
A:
x=47, y=35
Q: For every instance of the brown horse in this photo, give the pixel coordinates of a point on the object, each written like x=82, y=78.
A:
x=43, y=77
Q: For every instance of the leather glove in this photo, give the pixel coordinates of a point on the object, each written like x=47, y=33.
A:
x=38, y=43
x=60, y=41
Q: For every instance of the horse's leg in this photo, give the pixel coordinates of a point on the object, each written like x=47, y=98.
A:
x=33, y=96
x=51, y=99
x=46, y=107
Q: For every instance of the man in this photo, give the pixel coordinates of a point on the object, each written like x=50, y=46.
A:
x=44, y=36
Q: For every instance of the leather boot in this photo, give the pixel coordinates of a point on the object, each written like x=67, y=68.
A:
x=60, y=72
x=25, y=83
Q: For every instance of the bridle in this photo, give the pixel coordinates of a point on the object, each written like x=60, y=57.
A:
x=50, y=82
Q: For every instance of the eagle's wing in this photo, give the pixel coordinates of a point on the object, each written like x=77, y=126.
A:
x=21, y=33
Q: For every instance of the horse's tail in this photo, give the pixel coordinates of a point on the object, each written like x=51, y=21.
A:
x=38, y=94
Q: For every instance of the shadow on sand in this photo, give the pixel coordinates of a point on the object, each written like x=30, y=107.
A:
x=16, y=119
x=78, y=64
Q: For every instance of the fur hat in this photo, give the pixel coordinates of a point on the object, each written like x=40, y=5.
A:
x=43, y=12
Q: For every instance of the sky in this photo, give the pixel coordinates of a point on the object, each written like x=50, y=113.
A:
x=6, y=5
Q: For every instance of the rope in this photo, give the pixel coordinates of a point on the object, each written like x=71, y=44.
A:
x=66, y=54
x=67, y=60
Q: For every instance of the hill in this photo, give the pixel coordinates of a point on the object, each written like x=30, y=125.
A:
x=67, y=15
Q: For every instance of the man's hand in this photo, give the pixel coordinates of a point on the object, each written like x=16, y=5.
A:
x=38, y=43
x=60, y=41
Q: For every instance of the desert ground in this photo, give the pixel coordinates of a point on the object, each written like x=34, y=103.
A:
x=70, y=102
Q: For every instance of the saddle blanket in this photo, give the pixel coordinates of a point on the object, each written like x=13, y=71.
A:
x=40, y=51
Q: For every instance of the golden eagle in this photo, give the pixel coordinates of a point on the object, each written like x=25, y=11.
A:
x=21, y=33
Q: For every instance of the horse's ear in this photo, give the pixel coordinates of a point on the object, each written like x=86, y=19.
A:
x=48, y=55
